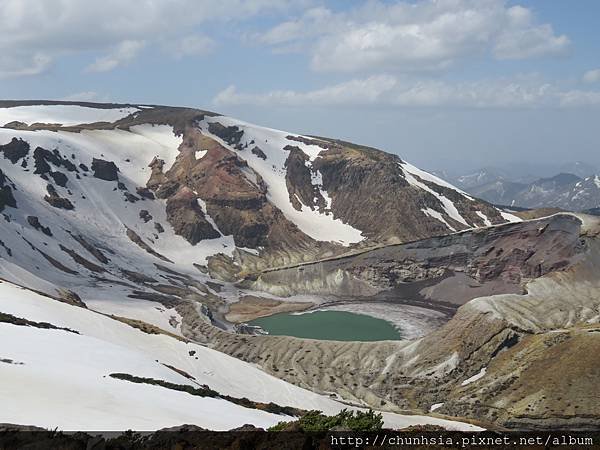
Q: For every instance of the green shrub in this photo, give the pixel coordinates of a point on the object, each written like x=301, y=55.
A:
x=316, y=421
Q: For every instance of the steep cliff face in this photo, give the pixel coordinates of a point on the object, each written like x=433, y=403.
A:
x=367, y=185
x=451, y=269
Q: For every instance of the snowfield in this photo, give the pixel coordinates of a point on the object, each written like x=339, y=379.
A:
x=62, y=114
x=61, y=379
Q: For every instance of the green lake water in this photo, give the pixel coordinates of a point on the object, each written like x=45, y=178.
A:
x=331, y=325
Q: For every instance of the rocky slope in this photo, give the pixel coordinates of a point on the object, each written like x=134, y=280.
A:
x=516, y=359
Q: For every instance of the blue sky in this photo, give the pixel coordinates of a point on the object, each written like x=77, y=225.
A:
x=444, y=83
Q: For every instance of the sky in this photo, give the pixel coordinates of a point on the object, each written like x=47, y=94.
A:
x=446, y=84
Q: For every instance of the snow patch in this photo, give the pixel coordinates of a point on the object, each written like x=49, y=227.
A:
x=510, y=217
x=449, y=207
x=436, y=215
x=475, y=377
x=486, y=221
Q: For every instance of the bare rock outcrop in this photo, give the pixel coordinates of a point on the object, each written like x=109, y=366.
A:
x=105, y=170
x=187, y=218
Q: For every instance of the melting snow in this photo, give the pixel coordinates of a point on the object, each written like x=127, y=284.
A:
x=436, y=215
x=449, y=207
x=486, y=221
x=510, y=217
x=475, y=377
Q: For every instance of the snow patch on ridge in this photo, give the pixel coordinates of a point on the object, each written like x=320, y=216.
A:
x=486, y=221
x=510, y=217
x=66, y=115
x=436, y=215
x=447, y=204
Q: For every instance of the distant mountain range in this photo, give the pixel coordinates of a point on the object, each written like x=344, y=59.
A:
x=567, y=190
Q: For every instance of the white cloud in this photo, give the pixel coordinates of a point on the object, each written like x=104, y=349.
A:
x=387, y=90
x=121, y=54
x=17, y=64
x=358, y=92
x=404, y=37
x=36, y=32
x=530, y=43
x=191, y=45
x=592, y=76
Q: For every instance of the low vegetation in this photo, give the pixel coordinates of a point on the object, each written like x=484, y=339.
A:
x=316, y=421
x=206, y=391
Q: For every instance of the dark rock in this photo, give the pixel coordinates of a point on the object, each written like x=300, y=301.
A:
x=258, y=152
x=298, y=179
x=137, y=277
x=15, y=150
x=187, y=218
x=40, y=158
x=144, y=193
x=43, y=157
x=131, y=198
x=83, y=167
x=81, y=260
x=157, y=177
x=159, y=227
x=59, y=178
x=121, y=186
x=6, y=196
x=145, y=216
x=308, y=141
x=232, y=135
x=71, y=298
x=59, y=202
x=95, y=252
x=35, y=223
x=105, y=170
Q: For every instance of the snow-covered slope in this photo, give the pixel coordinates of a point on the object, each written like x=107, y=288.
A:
x=61, y=377
x=63, y=114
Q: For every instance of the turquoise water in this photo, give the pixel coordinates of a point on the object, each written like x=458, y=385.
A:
x=331, y=325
